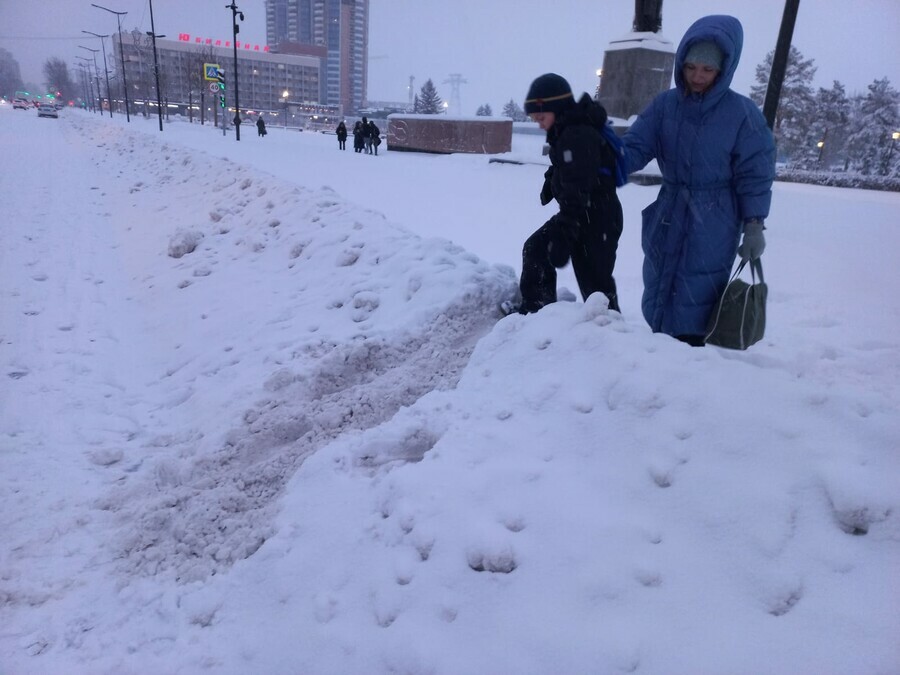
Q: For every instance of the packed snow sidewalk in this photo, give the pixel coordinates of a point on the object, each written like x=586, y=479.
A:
x=248, y=426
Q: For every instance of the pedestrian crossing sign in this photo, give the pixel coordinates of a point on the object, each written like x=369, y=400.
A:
x=211, y=71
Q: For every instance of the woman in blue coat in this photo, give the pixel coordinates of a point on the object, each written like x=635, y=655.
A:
x=717, y=159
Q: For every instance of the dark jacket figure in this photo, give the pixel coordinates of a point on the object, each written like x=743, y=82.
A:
x=374, y=138
x=357, y=137
x=717, y=159
x=342, y=135
x=367, y=136
x=260, y=127
x=581, y=179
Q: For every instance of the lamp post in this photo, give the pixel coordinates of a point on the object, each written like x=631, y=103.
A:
x=105, y=69
x=96, y=74
x=121, y=55
x=235, y=30
x=821, y=146
x=153, y=35
x=90, y=80
x=894, y=138
x=284, y=97
x=86, y=97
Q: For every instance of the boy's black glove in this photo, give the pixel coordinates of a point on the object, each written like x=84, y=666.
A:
x=558, y=247
x=547, y=189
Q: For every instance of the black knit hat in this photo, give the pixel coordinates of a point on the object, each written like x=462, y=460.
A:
x=549, y=93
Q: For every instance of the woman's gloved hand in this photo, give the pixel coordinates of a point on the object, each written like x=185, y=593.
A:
x=754, y=242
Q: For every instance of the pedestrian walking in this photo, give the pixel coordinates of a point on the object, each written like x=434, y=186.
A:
x=357, y=137
x=717, y=158
x=374, y=136
x=581, y=179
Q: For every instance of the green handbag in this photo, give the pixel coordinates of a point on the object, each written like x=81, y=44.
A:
x=739, y=318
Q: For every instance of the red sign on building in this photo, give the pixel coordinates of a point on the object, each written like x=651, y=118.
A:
x=210, y=42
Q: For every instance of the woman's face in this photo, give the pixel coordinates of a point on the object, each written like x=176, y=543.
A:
x=699, y=77
x=545, y=120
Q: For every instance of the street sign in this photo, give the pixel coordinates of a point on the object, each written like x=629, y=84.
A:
x=213, y=87
x=210, y=71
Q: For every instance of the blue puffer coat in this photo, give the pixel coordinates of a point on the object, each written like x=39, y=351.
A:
x=717, y=159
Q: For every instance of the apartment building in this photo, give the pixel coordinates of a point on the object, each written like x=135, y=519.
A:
x=341, y=28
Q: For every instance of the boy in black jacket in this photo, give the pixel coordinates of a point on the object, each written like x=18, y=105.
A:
x=581, y=178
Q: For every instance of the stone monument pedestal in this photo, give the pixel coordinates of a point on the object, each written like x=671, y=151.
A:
x=636, y=68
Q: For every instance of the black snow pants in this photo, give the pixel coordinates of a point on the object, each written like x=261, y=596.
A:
x=589, y=242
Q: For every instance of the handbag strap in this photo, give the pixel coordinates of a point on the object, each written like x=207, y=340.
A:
x=756, y=270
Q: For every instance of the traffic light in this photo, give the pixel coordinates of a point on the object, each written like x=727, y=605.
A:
x=221, y=77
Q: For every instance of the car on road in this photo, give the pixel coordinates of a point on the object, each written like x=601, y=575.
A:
x=45, y=110
x=20, y=103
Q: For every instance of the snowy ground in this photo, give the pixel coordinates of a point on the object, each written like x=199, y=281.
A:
x=258, y=415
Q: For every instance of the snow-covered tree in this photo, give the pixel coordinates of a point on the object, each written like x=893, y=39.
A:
x=10, y=75
x=876, y=118
x=484, y=111
x=514, y=112
x=430, y=102
x=796, y=105
x=56, y=78
x=830, y=126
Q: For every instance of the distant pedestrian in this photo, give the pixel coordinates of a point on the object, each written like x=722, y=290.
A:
x=260, y=126
x=342, y=135
x=374, y=137
x=367, y=136
x=357, y=137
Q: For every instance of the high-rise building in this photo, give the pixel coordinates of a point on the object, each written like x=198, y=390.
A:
x=341, y=28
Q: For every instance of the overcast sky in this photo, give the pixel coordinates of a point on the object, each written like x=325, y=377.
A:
x=497, y=46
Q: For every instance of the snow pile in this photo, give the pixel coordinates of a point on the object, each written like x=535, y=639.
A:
x=580, y=480
x=309, y=445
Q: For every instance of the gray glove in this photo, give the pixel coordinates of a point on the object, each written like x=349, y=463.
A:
x=754, y=242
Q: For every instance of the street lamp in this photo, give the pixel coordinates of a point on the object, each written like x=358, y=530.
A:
x=96, y=75
x=153, y=35
x=284, y=96
x=86, y=97
x=121, y=55
x=821, y=146
x=105, y=69
x=87, y=60
x=894, y=138
x=235, y=30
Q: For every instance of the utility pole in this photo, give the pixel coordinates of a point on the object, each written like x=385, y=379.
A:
x=412, y=78
x=152, y=34
x=105, y=68
x=779, y=61
x=235, y=30
x=121, y=55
